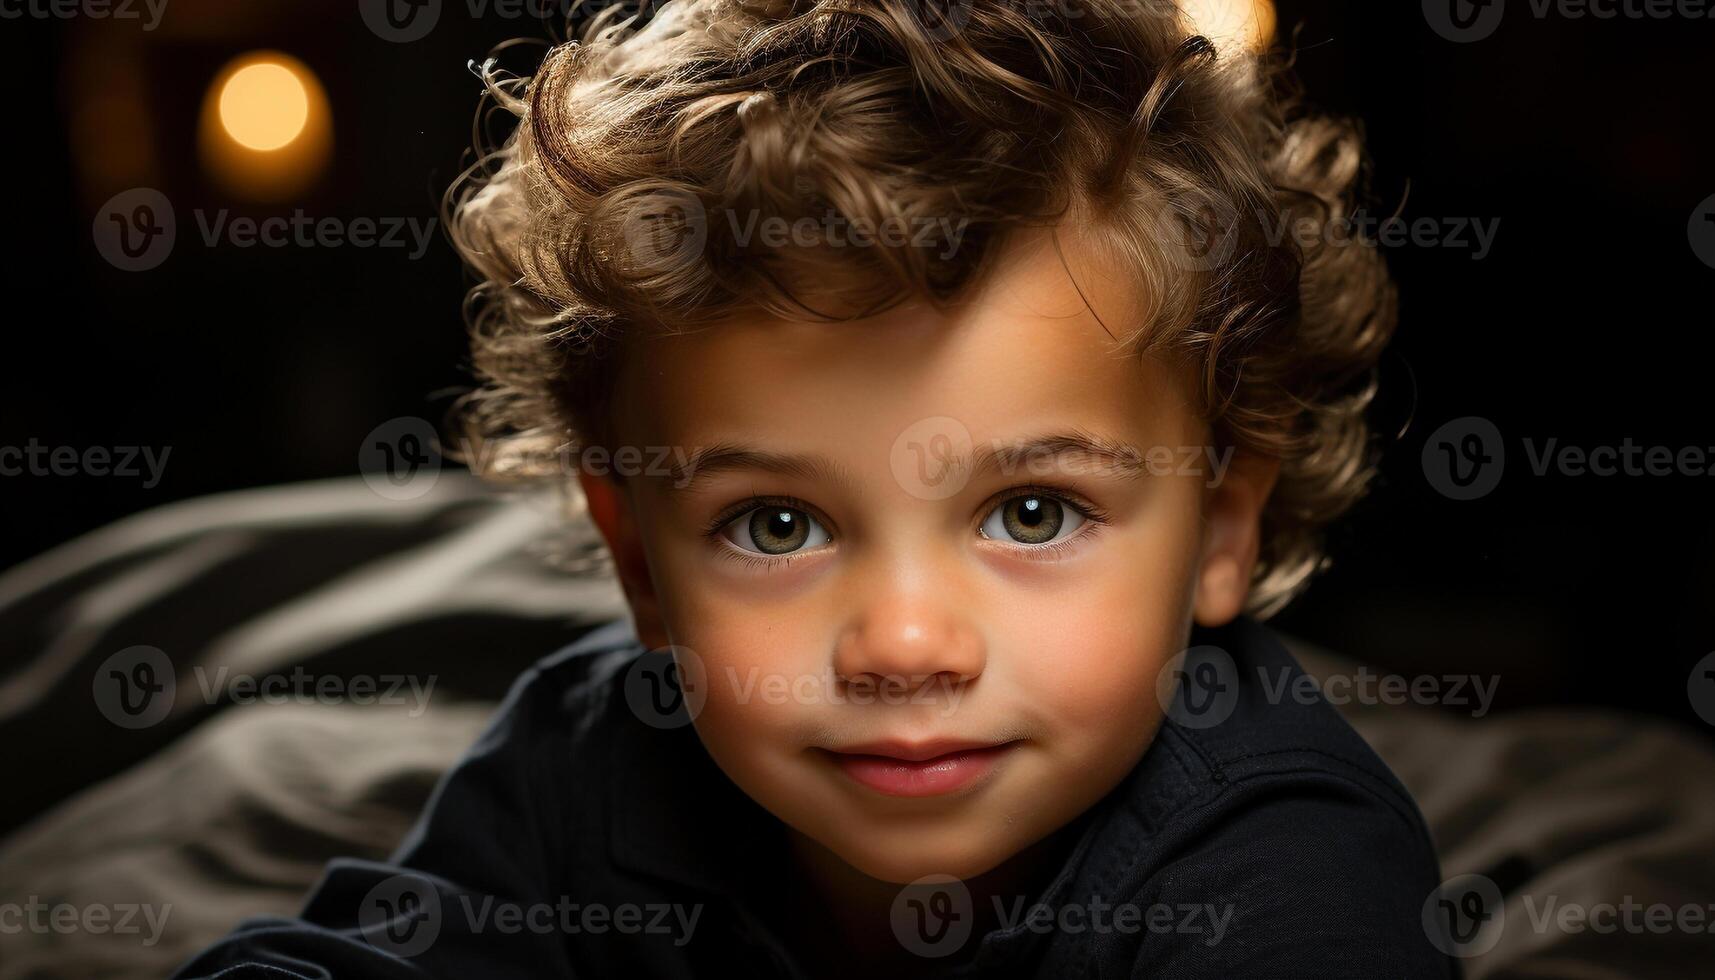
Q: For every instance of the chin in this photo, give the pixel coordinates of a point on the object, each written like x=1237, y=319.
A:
x=918, y=860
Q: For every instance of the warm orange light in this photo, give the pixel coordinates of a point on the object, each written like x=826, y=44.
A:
x=1249, y=23
x=266, y=131
x=264, y=105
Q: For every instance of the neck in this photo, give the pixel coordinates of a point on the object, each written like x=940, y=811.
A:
x=830, y=898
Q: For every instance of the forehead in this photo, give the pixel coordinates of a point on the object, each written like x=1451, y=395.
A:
x=1036, y=346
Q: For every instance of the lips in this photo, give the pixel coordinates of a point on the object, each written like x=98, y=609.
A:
x=931, y=768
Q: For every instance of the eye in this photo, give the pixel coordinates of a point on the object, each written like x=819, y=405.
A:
x=1031, y=519
x=775, y=530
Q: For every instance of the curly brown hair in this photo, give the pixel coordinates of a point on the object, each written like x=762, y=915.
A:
x=1006, y=113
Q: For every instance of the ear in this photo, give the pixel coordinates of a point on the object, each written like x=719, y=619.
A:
x=610, y=509
x=1232, y=536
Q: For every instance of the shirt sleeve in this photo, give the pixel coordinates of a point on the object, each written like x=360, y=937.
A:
x=465, y=895
x=1320, y=877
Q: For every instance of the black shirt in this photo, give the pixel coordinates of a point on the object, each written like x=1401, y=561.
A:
x=583, y=836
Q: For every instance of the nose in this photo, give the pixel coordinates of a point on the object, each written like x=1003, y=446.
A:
x=911, y=640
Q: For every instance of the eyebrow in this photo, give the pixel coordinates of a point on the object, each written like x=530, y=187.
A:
x=1124, y=459
x=723, y=457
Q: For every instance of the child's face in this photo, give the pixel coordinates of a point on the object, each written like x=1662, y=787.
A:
x=879, y=596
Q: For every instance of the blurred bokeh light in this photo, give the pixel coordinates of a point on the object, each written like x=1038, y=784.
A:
x=264, y=106
x=266, y=130
x=1248, y=22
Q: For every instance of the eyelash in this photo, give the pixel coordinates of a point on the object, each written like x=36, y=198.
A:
x=1094, y=517
x=1092, y=513
x=728, y=514
x=750, y=559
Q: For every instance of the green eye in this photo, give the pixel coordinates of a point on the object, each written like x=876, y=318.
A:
x=775, y=531
x=1031, y=519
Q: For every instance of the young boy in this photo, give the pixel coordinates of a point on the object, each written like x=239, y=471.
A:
x=949, y=405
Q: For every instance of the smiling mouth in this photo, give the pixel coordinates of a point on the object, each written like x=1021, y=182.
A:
x=899, y=770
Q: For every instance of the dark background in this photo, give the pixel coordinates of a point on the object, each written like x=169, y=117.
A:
x=1589, y=139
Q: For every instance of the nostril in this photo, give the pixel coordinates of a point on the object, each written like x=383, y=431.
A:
x=897, y=648
x=872, y=682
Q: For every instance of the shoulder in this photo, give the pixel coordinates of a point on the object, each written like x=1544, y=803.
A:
x=1268, y=813
x=568, y=693
x=1246, y=722
x=582, y=667
x=550, y=734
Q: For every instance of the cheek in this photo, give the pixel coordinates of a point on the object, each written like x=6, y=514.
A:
x=1094, y=686
x=1090, y=656
x=763, y=664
